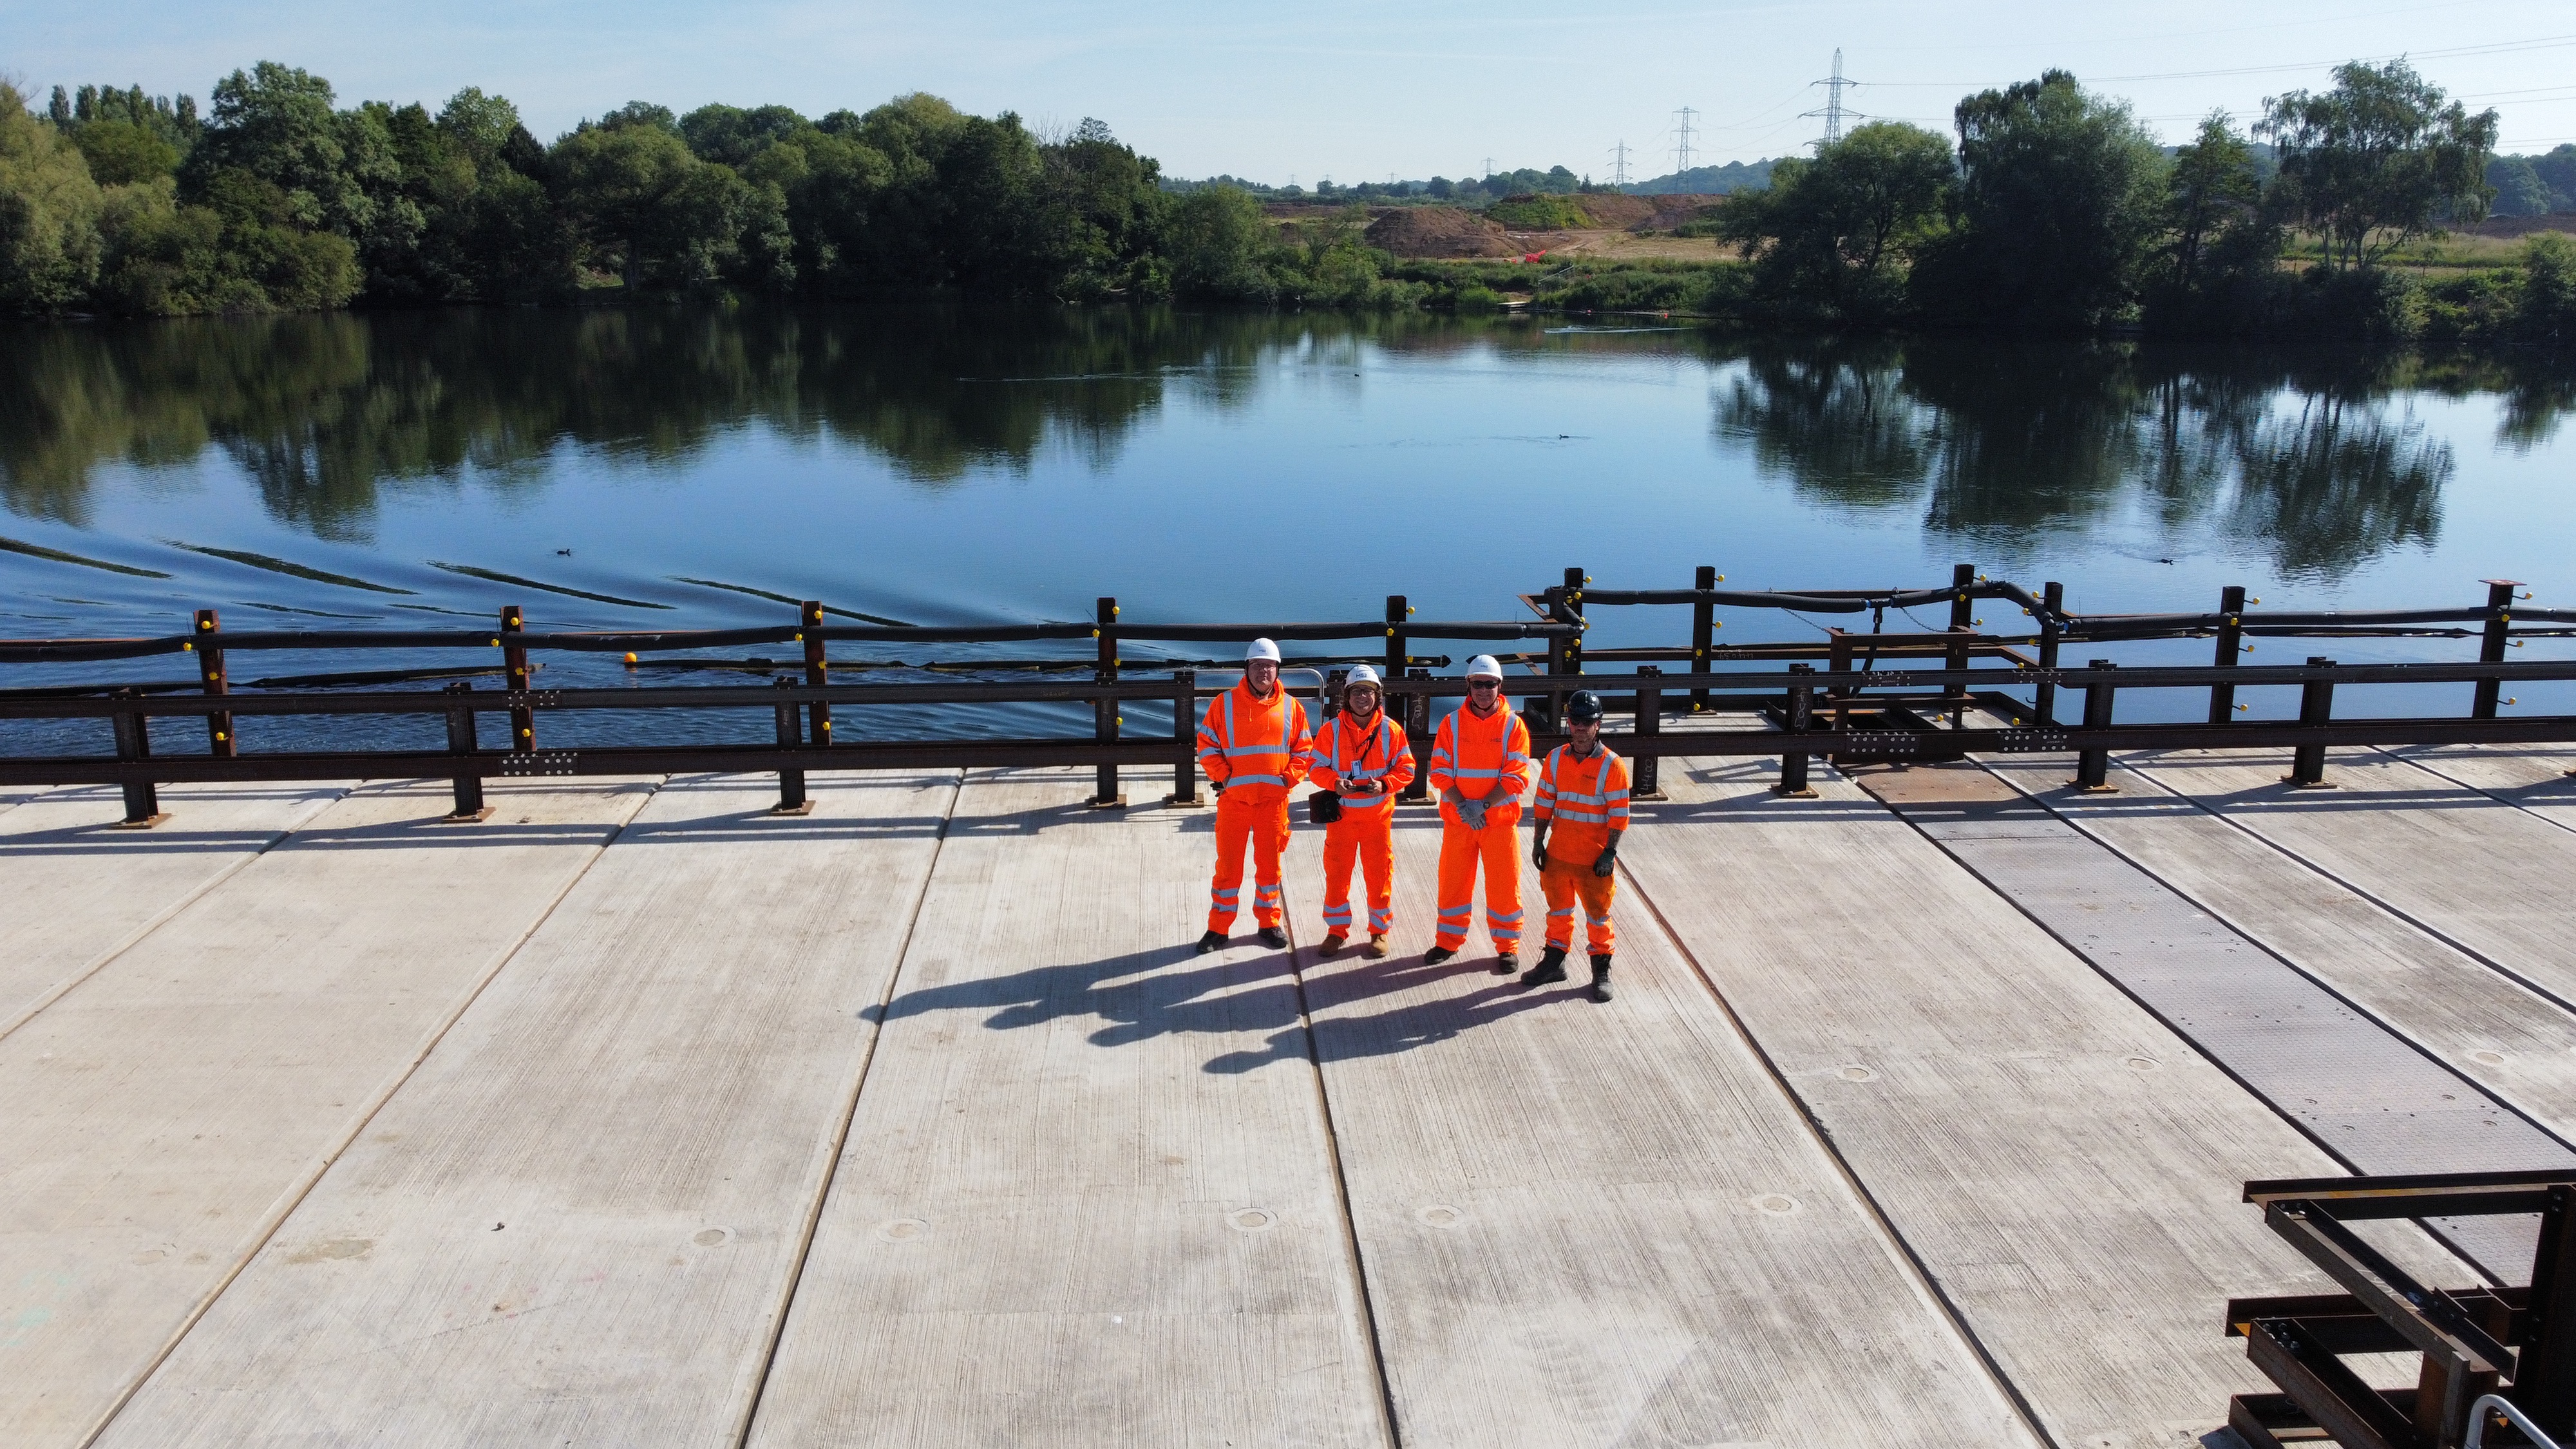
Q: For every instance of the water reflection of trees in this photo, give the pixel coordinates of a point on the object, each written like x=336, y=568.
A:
x=326, y=413
x=2314, y=461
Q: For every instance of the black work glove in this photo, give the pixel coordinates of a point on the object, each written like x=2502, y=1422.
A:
x=1538, y=852
x=1607, y=861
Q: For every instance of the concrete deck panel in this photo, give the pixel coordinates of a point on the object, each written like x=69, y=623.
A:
x=1604, y=1224
x=170, y=1109
x=2511, y=1041
x=2486, y=876
x=2534, y=777
x=2020, y=1122
x=75, y=890
x=579, y=1221
x=1063, y=1215
x=2364, y=1093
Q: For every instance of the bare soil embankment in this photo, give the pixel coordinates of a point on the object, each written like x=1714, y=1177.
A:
x=1625, y=227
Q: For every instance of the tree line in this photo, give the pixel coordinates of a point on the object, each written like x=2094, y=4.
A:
x=277, y=198
x=2056, y=210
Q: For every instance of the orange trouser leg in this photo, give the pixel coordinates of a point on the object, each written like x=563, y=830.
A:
x=1369, y=842
x=1341, y=851
x=1497, y=849
x=1568, y=884
x=1265, y=826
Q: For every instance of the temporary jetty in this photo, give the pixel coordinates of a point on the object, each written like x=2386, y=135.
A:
x=1976, y=1078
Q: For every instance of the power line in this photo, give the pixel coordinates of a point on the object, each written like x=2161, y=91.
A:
x=2501, y=47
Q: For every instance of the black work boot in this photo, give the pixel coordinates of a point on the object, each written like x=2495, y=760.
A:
x=1436, y=955
x=1601, y=978
x=1507, y=963
x=1274, y=938
x=1213, y=940
x=1550, y=968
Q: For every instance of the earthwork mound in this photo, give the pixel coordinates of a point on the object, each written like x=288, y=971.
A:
x=1439, y=231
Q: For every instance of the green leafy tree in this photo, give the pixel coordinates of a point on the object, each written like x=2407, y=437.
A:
x=241, y=249
x=2059, y=202
x=646, y=206
x=120, y=153
x=1833, y=232
x=2518, y=189
x=1097, y=210
x=2546, y=311
x=276, y=123
x=1218, y=245
x=49, y=209
x=2378, y=160
x=2212, y=184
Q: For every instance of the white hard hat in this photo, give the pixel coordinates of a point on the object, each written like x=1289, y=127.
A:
x=1261, y=649
x=1361, y=674
x=1484, y=667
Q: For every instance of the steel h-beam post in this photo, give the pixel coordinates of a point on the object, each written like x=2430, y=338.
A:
x=134, y=742
x=1417, y=731
x=2231, y=642
x=514, y=661
x=1650, y=723
x=2491, y=645
x=1185, y=737
x=461, y=740
x=1574, y=581
x=2544, y=1384
x=1399, y=646
x=2093, y=766
x=791, y=783
x=1104, y=713
x=2316, y=707
x=818, y=670
x=210, y=675
x=1838, y=660
x=1801, y=718
x=1703, y=629
x=2052, y=605
x=1963, y=620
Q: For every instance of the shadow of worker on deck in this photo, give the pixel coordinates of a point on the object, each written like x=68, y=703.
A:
x=1146, y=994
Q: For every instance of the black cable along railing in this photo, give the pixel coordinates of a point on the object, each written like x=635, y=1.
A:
x=1854, y=710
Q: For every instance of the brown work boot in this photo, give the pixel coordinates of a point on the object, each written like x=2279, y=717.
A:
x=1332, y=943
x=1377, y=947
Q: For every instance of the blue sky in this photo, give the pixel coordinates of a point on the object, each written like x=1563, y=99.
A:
x=1330, y=88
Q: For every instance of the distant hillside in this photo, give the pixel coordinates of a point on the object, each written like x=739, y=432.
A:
x=1706, y=180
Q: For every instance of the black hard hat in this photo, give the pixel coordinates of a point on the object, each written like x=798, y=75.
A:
x=1583, y=707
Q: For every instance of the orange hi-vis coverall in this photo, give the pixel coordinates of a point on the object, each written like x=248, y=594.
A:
x=1482, y=758
x=1583, y=801
x=1346, y=751
x=1255, y=751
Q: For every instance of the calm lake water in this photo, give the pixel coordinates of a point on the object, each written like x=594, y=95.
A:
x=675, y=465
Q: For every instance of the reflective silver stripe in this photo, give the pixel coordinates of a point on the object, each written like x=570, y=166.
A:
x=1287, y=743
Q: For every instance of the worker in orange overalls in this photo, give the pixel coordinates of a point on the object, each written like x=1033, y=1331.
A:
x=1362, y=756
x=1583, y=794
x=1480, y=766
x=1254, y=747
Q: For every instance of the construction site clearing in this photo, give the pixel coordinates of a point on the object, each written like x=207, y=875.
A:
x=640, y=1114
